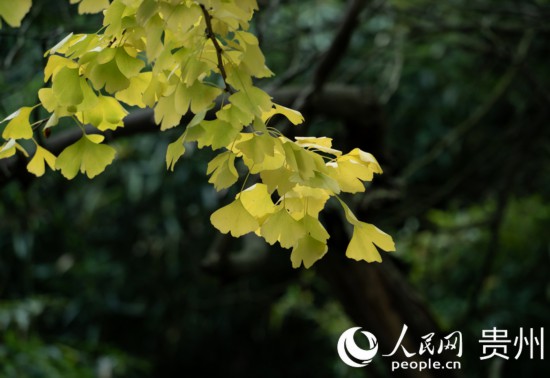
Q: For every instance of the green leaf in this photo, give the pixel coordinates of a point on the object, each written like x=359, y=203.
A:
x=86, y=155
x=216, y=134
x=308, y=250
x=19, y=126
x=13, y=11
x=66, y=87
x=223, y=171
x=235, y=219
x=174, y=152
x=107, y=75
x=256, y=147
x=252, y=100
x=128, y=65
x=235, y=116
x=37, y=165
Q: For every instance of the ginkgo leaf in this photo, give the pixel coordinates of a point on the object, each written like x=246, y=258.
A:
x=13, y=11
x=362, y=245
x=223, y=171
x=91, y=6
x=128, y=63
x=293, y=116
x=269, y=162
x=257, y=201
x=302, y=199
x=133, y=95
x=278, y=179
x=166, y=114
x=203, y=96
x=352, y=169
x=174, y=152
x=37, y=165
x=55, y=63
x=8, y=149
x=86, y=155
x=234, y=218
x=66, y=86
x=251, y=100
x=255, y=147
x=235, y=116
x=281, y=227
x=107, y=75
x=19, y=126
x=307, y=251
x=322, y=144
x=300, y=160
x=216, y=134
x=315, y=229
x=108, y=114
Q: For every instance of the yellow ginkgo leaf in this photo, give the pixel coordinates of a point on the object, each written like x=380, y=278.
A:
x=13, y=11
x=91, y=6
x=294, y=116
x=256, y=147
x=257, y=201
x=8, y=149
x=216, y=134
x=86, y=155
x=235, y=219
x=223, y=171
x=303, y=199
x=19, y=126
x=365, y=237
x=278, y=179
x=37, y=165
x=281, y=227
x=174, y=152
x=133, y=95
x=314, y=228
x=322, y=144
x=352, y=169
x=308, y=250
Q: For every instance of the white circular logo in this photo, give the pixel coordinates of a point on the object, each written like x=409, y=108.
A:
x=347, y=348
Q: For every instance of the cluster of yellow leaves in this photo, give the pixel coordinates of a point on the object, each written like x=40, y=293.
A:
x=181, y=56
x=301, y=181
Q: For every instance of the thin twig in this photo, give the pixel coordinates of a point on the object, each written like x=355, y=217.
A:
x=219, y=51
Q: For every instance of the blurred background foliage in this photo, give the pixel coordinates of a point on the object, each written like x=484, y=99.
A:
x=109, y=278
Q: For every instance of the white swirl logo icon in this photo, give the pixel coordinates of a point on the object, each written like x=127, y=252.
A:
x=347, y=348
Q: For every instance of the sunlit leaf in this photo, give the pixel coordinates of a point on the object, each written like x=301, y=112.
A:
x=19, y=126
x=86, y=155
x=37, y=165
x=235, y=219
x=362, y=244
